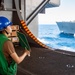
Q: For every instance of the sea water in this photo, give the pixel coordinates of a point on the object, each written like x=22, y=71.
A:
x=52, y=37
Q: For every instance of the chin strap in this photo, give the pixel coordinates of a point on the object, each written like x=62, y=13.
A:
x=6, y=32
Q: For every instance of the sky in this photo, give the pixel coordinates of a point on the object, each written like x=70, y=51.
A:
x=65, y=12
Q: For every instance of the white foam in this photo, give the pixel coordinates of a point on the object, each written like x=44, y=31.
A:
x=44, y=41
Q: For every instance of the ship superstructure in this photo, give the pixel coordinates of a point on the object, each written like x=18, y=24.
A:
x=29, y=10
x=24, y=13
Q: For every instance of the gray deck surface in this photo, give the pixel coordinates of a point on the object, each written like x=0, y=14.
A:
x=45, y=62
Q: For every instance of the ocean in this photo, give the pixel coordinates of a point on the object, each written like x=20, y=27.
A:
x=52, y=37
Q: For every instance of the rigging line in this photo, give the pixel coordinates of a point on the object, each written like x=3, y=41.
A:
x=25, y=42
x=22, y=41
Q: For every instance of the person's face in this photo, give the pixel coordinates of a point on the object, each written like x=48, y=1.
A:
x=8, y=29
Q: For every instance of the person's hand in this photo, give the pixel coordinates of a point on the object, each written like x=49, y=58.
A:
x=27, y=52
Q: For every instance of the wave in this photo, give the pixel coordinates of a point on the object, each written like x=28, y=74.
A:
x=51, y=36
x=55, y=45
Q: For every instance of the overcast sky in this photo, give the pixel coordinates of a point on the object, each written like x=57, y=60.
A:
x=65, y=12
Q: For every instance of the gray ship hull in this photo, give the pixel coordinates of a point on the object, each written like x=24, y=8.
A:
x=66, y=27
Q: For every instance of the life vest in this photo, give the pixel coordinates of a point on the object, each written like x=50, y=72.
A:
x=4, y=68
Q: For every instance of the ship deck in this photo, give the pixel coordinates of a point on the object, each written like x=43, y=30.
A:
x=46, y=62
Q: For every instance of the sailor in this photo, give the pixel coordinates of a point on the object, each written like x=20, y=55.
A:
x=8, y=56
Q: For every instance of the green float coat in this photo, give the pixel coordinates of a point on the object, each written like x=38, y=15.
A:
x=4, y=69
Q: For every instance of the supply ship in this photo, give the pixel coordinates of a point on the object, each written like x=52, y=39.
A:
x=66, y=27
x=44, y=60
